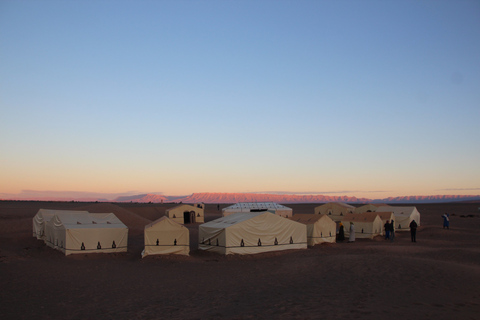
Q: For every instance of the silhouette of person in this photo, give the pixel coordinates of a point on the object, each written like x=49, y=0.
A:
x=341, y=232
x=446, y=221
x=413, y=231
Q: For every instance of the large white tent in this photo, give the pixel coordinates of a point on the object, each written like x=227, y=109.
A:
x=165, y=236
x=367, y=224
x=73, y=233
x=403, y=216
x=320, y=228
x=45, y=215
x=273, y=207
x=250, y=233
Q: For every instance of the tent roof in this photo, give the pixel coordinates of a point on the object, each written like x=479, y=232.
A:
x=341, y=204
x=258, y=205
x=398, y=210
x=233, y=219
x=165, y=220
x=384, y=215
x=181, y=205
x=88, y=220
x=361, y=217
x=307, y=218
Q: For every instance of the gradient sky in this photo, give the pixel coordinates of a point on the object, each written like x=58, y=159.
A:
x=360, y=98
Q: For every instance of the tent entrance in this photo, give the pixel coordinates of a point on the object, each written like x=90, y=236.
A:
x=186, y=217
x=189, y=217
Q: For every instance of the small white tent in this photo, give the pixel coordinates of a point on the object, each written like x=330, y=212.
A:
x=367, y=224
x=278, y=209
x=320, y=228
x=250, y=233
x=185, y=213
x=165, y=236
x=86, y=233
x=335, y=210
x=370, y=207
x=45, y=215
x=403, y=216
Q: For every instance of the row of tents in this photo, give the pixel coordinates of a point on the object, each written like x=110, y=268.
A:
x=255, y=228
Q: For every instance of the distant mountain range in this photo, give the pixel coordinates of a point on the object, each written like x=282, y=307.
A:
x=285, y=198
x=236, y=197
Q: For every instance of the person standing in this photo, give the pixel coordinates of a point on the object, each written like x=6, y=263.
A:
x=341, y=232
x=413, y=231
x=387, y=229
x=446, y=221
x=392, y=230
x=351, y=237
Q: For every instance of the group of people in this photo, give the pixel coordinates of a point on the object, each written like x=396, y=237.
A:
x=389, y=230
x=341, y=233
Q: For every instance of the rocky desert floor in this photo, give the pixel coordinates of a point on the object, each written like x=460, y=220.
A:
x=436, y=278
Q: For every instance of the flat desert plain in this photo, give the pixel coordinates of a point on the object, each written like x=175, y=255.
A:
x=436, y=278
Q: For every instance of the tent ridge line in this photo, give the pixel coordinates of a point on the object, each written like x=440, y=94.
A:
x=255, y=246
x=95, y=249
x=167, y=245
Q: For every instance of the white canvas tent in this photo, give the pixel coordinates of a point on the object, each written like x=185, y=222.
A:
x=273, y=207
x=367, y=224
x=335, y=210
x=86, y=233
x=185, y=213
x=403, y=216
x=386, y=216
x=165, y=236
x=250, y=233
x=320, y=228
x=370, y=207
x=45, y=215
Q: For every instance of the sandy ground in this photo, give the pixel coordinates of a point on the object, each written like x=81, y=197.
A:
x=436, y=278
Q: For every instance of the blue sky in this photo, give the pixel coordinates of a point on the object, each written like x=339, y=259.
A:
x=372, y=98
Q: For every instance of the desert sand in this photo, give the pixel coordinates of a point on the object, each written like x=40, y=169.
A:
x=436, y=278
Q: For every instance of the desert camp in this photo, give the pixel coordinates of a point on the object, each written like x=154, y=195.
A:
x=268, y=278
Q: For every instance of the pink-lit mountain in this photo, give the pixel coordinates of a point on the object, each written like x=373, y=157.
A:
x=286, y=198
